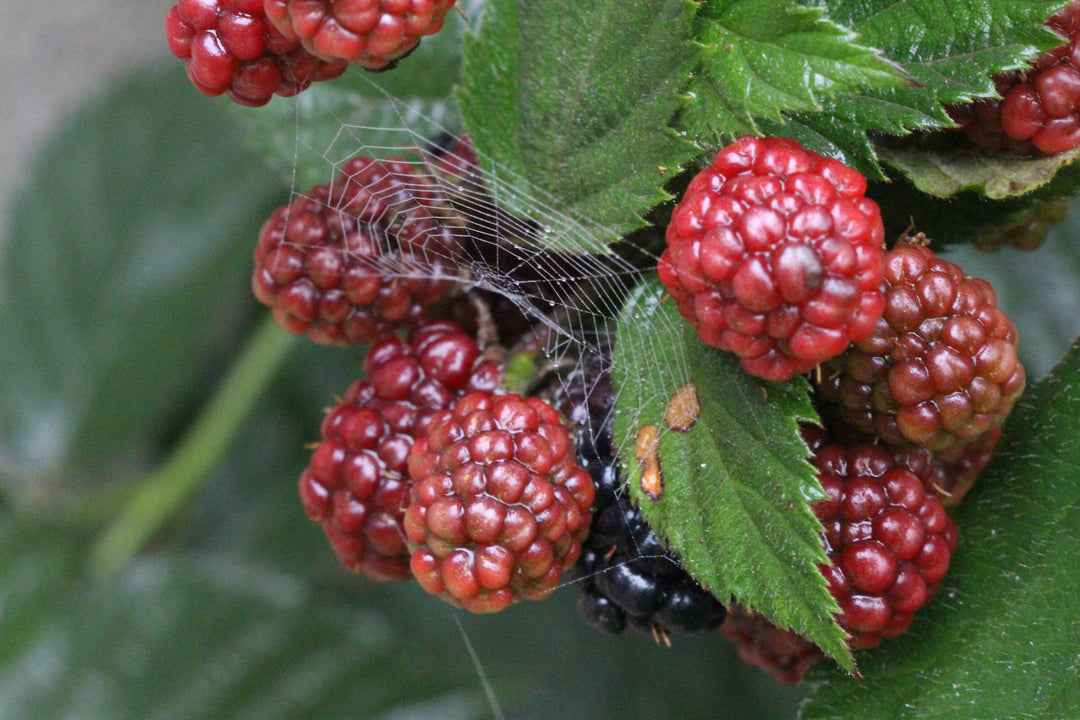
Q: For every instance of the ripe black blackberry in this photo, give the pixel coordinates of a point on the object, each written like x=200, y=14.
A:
x=627, y=577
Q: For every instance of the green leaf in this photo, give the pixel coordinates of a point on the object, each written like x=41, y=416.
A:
x=736, y=484
x=206, y=638
x=307, y=136
x=1001, y=638
x=951, y=48
x=568, y=105
x=127, y=263
x=761, y=60
x=997, y=175
x=970, y=217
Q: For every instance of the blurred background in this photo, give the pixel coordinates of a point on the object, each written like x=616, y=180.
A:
x=57, y=54
x=154, y=560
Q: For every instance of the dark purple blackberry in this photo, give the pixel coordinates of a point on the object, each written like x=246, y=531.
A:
x=628, y=579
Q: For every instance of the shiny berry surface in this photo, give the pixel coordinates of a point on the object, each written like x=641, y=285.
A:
x=940, y=368
x=357, y=485
x=775, y=254
x=499, y=505
x=228, y=47
x=368, y=253
x=1038, y=111
x=888, y=537
x=374, y=34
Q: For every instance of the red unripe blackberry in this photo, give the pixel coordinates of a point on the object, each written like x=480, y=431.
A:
x=783, y=653
x=356, y=485
x=499, y=505
x=348, y=261
x=229, y=47
x=374, y=34
x=1039, y=108
x=962, y=464
x=775, y=254
x=940, y=368
x=887, y=535
x=888, y=538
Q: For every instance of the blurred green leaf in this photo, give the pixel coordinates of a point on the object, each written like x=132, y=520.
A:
x=568, y=105
x=1001, y=639
x=970, y=216
x=127, y=265
x=159, y=495
x=997, y=175
x=183, y=637
x=737, y=486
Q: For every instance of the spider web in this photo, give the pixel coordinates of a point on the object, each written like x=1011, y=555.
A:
x=548, y=284
x=522, y=262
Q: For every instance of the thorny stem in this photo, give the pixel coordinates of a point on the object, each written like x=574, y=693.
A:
x=169, y=487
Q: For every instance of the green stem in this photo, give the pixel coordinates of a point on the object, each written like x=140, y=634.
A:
x=167, y=488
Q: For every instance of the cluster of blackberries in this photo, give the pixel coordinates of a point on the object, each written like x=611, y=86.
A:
x=427, y=468
x=775, y=255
